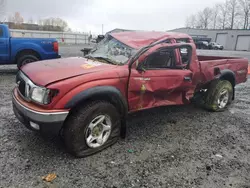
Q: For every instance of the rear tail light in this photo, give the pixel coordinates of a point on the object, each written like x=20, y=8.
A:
x=55, y=46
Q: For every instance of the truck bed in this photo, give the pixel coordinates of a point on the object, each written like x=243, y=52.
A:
x=42, y=46
x=208, y=58
x=211, y=58
x=211, y=66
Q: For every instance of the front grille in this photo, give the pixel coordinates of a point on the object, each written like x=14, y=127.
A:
x=21, y=87
x=24, y=84
x=20, y=84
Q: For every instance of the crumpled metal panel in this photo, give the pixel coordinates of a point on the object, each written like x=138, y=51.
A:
x=159, y=88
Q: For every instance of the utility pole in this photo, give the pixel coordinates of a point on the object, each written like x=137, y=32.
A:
x=102, y=29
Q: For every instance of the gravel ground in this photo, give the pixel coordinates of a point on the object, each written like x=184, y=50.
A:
x=180, y=146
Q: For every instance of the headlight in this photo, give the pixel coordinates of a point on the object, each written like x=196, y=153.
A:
x=38, y=94
x=42, y=95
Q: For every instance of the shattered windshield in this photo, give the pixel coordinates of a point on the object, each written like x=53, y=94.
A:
x=113, y=51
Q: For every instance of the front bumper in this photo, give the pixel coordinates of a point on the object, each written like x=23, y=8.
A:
x=49, y=122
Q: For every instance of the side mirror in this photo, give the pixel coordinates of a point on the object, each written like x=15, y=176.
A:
x=140, y=67
x=86, y=51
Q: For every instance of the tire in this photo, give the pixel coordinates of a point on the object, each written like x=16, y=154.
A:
x=76, y=129
x=219, y=95
x=25, y=59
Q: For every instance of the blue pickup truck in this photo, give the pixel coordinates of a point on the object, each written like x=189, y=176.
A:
x=21, y=51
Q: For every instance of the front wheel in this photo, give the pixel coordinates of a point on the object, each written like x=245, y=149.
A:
x=92, y=128
x=219, y=96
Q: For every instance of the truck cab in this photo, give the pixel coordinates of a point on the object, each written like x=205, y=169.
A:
x=22, y=51
x=4, y=44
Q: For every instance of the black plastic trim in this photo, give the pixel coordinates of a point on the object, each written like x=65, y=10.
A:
x=99, y=90
x=226, y=72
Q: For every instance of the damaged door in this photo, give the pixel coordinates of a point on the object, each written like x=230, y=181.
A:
x=162, y=78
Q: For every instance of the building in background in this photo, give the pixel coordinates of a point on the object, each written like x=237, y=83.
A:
x=117, y=30
x=237, y=39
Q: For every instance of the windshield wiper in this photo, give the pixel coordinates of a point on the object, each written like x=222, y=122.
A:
x=107, y=60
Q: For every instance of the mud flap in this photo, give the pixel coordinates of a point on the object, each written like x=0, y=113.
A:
x=123, y=128
x=199, y=99
x=233, y=94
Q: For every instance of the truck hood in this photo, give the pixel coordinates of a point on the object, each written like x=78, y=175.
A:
x=45, y=72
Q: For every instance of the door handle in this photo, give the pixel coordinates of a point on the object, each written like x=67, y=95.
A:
x=187, y=78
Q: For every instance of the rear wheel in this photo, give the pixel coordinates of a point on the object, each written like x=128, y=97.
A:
x=26, y=59
x=219, y=95
x=92, y=128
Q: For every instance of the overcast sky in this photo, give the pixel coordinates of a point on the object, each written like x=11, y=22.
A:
x=89, y=15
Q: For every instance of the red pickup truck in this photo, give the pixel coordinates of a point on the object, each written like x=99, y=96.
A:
x=87, y=99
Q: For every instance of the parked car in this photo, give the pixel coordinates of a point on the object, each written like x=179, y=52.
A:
x=87, y=99
x=215, y=46
x=22, y=51
x=201, y=44
x=97, y=39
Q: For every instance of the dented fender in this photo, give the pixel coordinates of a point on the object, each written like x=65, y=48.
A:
x=97, y=91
